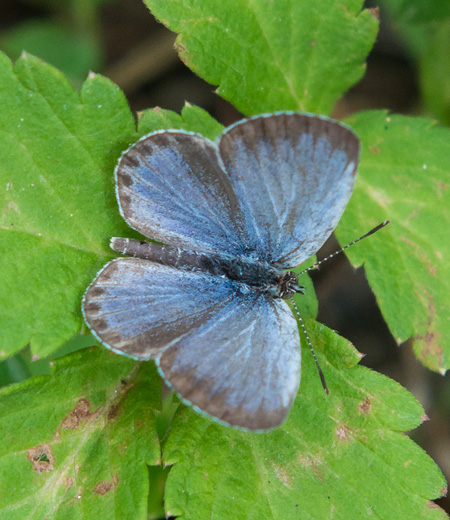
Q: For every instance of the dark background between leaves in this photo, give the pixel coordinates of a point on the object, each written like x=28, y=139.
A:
x=126, y=44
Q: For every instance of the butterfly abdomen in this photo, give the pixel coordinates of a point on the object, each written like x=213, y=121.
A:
x=253, y=273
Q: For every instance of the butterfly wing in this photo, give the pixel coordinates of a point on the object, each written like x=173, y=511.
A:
x=273, y=188
x=293, y=175
x=234, y=355
x=137, y=308
x=171, y=187
x=243, y=366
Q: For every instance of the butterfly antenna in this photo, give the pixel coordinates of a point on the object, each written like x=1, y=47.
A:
x=322, y=377
x=371, y=232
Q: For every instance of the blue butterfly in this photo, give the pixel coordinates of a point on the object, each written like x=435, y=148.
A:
x=208, y=303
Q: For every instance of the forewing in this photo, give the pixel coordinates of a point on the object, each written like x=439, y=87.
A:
x=242, y=366
x=171, y=187
x=293, y=175
x=138, y=308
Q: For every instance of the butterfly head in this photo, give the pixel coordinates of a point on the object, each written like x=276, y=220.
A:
x=288, y=285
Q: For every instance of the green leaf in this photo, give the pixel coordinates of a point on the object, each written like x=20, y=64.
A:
x=73, y=53
x=58, y=203
x=404, y=177
x=76, y=444
x=278, y=55
x=425, y=28
x=192, y=119
x=21, y=365
x=337, y=456
x=417, y=20
x=57, y=198
x=435, y=73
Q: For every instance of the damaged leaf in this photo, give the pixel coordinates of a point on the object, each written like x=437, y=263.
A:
x=404, y=176
x=71, y=456
x=341, y=455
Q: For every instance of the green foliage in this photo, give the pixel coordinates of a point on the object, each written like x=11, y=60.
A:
x=23, y=365
x=404, y=176
x=435, y=73
x=272, y=55
x=86, y=434
x=425, y=28
x=192, y=118
x=80, y=440
x=330, y=459
x=73, y=53
x=58, y=151
x=87, y=431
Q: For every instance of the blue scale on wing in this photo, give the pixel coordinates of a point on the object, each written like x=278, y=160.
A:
x=171, y=187
x=139, y=307
x=208, y=337
x=293, y=175
x=243, y=366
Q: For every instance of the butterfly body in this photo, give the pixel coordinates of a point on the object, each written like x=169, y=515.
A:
x=232, y=217
x=250, y=273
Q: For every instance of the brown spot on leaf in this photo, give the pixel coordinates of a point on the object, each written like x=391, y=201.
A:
x=41, y=457
x=431, y=353
x=343, y=432
x=12, y=206
x=311, y=462
x=374, y=149
x=420, y=254
x=364, y=407
x=81, y=411
x=415, y=213
x=375, y=12
x=429, y=338
x=313, y=44
x=180, y=48
x=113, y=412
x=282, y=475
x=69, y=483
x=104, y=486
x=432, y=505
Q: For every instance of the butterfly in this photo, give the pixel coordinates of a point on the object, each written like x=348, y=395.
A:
x=230, y=218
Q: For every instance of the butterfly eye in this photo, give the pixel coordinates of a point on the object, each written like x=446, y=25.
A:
x=288, y=285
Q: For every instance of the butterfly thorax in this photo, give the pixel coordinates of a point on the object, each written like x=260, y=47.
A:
x=255, y=274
